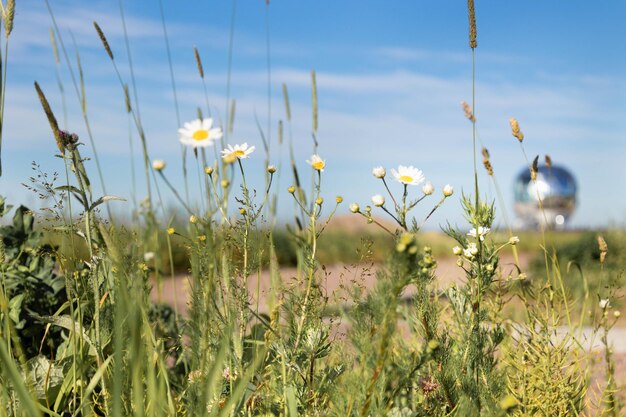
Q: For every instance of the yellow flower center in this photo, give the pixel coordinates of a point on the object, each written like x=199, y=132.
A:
x=239, y=153
x=406, y=179
x=319, y=165
x=200, y=134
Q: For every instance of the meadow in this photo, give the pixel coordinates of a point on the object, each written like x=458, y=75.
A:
x=84, y=330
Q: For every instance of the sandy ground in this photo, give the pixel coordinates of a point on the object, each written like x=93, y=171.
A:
x=333, y=278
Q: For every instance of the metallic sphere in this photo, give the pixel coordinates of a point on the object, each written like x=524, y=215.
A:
x=550, y=199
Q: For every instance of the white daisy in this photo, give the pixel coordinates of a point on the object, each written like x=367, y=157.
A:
x=237, y=152
x=198, y=133
x=408, y=175
x=482, y=231
x=317, y=163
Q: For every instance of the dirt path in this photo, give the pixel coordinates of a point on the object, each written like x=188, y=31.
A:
x=333, y=279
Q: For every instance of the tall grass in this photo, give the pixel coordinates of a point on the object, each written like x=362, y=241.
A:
x=79, y=334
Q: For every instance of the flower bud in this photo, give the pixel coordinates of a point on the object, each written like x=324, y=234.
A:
x=225, y=183
x=170, y=231
x=604, y=304
x=448, y=190
x=158, y=165
x=378, y=200
x=339, y=199
x=379, y=172
x=319, y=201
x=208, y=170
x=193, y=219
x=513, y=240
x=291, y=189
x=354, y=207
x=428, y=188
x=457, y=250
x=616, y=314
x=271, y=169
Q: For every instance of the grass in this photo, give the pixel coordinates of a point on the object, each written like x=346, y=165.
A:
x=79, y=334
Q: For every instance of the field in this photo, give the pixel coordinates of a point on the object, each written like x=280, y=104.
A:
x=221, y=306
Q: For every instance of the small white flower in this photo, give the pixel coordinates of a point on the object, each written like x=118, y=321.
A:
x=378, y=200
x=513, y=240
x=271, y=169
x=408, y=175
x=379, y=172
x=448, y=190
x=354, y=207
x=198, y=133
x=237, y=152
x=617, y=314
x=193, y=219
x=457, y=250
x=482, y=231
x=158, y=165
x=604, y=304
x=317, y=163
x=428, y=188
x=148, y=256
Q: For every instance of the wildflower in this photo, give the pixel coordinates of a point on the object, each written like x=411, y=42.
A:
x=339, y=199
x=317, y=163
x=237, y=152
x=378, y=200
x=513, y=240
x=408, y=175
x=193, y=219
x=448, y=190
x=170, y=231
x=198, y=133
x=148, y=256
x=319, y=201
x=202, y=238
x=225, y=183
x=379, y=172
x=242, y=211
x=208, y=170
x=604, y=304
x=428, y=188
x=291, y=189
x=482, y=231
x=271, y=169
x=158, y=165
x=354, y=207
x=617, y=314
x=457, y=250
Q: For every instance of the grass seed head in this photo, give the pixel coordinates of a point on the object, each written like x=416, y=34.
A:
x=103, y=38
x=515, y=130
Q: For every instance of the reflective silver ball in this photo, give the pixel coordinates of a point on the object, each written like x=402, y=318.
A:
x=551, y=198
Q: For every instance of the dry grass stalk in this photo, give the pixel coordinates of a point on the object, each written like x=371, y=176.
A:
x=604, y=248
x=469, y=114
x=515, y=130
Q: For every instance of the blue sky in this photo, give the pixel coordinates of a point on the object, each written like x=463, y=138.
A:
x=390, y=79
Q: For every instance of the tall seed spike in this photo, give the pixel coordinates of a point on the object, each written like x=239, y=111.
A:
x=54, y=125
x=8, y=17
x=286, y=99
x=55, y=49
x=198, y=62
x=103, y=38
x=472, y=24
